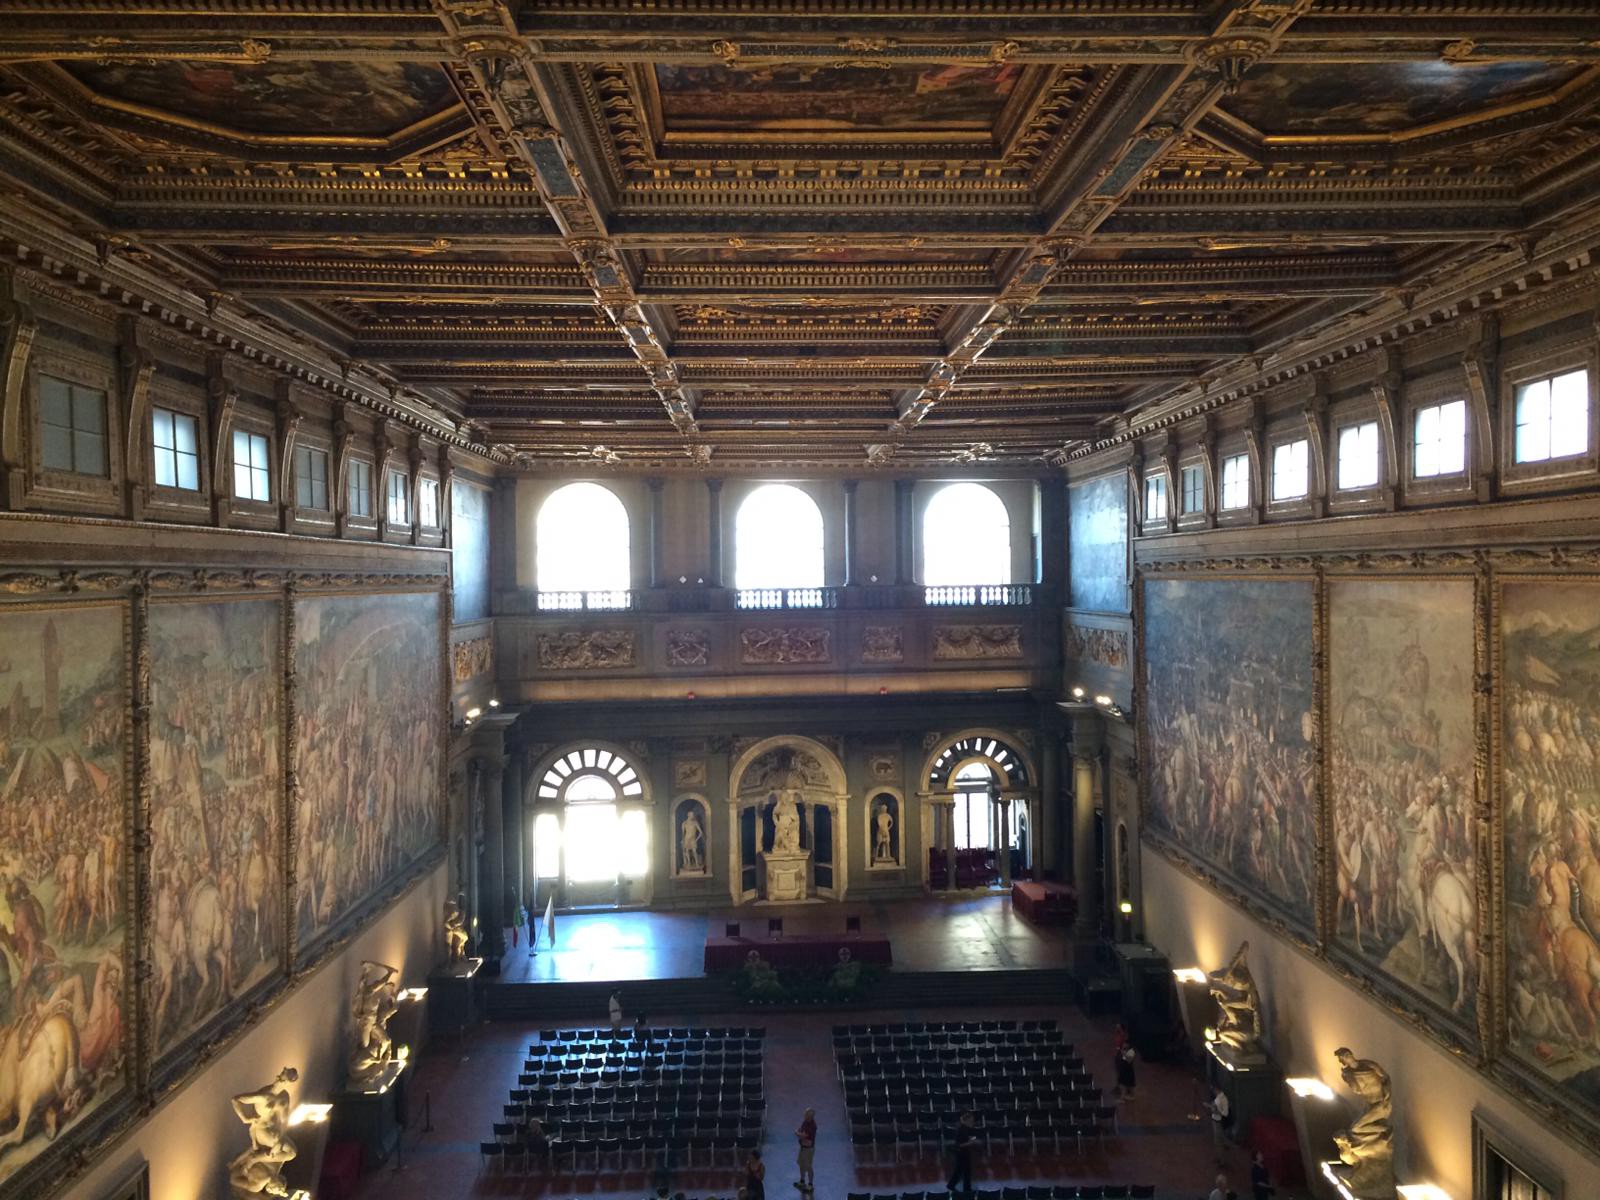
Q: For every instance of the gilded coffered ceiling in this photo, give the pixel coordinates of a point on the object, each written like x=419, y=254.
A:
x=832, y=235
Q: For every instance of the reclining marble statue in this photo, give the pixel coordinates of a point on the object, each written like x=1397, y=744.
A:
x=377, y=997
x=265, y=1112
x=1367, y=1148
x=1239, y=1008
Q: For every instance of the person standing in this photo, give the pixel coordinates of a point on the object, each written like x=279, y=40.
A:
x=1221, y=1113
x=806, y=1135
x=1260, y=1179
x=616, y=1013
x=1126, y=1079
x=755, y=1176
x=966, y=1141
x=1220, y=1191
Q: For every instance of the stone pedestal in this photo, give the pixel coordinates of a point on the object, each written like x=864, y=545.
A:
x=409, y=1024
x=453, y=996
x=787, y=875
x=1252, y=1083
x=373, y=1115
x=304, y=1170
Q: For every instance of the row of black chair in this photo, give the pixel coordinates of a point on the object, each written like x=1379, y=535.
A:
x=1060, y=1191
x=681, y=1033
x=913, y=1066
x=902, y=1043
x=636, y=1052
x=944, y=1027
x=514, y=1149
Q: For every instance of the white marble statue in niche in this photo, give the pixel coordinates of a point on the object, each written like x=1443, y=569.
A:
x=691, y=839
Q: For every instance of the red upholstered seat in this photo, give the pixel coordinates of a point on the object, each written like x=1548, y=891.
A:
x=341, y=1171
x=1280, y=1148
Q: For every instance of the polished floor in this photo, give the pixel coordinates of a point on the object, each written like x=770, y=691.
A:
x=967, y=933
x=1162, y=1139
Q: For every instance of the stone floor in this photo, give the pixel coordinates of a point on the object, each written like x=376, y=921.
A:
x=971, y=933
x=1162, y=1139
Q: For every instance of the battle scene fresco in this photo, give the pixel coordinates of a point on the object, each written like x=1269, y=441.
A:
x=216, y=796
x=1550, y=759
x=1375, y=98
x=799, y=96
x=1097, y=531
x=282, y=99
x=1228, y=714
x=63, y=873
x=368, y=671
x=1401, y=723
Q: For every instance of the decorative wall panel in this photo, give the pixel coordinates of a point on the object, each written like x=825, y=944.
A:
x=369, y=746
x=216, y=812
x=469, y=550
x=66, y=1015
x=1229, y=721
x=1098, y=543
x=1401, y=738
x=1550, y=758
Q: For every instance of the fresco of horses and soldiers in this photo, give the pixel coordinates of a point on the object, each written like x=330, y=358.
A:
x=1229, y=720
x=1550, y=748
x=63, y=857
x=1401, y=738
x=369, y=673
x=216, y=780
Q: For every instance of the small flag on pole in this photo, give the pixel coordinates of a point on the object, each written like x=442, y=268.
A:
x=550, y=921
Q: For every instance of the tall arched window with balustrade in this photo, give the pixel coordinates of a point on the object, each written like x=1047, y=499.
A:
x=582, y=550
x=966, y=545
x=778, y=545
x=590, y=829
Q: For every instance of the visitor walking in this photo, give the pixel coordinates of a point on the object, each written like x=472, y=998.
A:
x=965, y=1142
x=806, y=1135
x=616, y=1013
x=1260, y=1179
x=755, y=1176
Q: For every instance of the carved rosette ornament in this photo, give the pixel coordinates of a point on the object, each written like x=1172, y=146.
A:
x=1231, y=57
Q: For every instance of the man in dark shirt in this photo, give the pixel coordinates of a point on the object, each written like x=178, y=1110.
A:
x=966, y=1141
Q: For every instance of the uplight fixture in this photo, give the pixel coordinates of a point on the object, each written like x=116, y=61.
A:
x=1189, y=975
x=310, y=1114
x=1314, y=1088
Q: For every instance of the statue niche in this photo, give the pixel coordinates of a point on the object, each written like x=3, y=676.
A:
x=884, y=828
x=783, y=787
x=691, y=837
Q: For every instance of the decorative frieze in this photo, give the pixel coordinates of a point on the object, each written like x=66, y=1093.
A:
x=1108, y=647
x=791, y=645
x=587, y=650
x=688, y=647
x=883, y=644
x=969, y=642
x=471, y=658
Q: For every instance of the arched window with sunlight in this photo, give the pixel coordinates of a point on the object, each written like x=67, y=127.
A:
x=966, y=545
x=582, y=549
x=777, y=549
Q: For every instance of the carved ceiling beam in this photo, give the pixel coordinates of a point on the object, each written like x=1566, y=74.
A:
x=525, y=116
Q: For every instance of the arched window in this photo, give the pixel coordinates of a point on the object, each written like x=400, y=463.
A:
x=582, y=543
x=974, y=821
x=966, y=538
x=777, y=549
x=590, y=838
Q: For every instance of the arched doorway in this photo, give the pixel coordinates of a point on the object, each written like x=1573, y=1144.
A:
x=980, y=808
x=786, y=802
x=589, y=826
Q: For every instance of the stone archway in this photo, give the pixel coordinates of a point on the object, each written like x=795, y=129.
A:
x=788, y=833
x=1013, y=807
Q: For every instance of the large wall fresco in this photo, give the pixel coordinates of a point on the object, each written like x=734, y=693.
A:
x=63, y=873
x=1401, y=735
x=216, y=779
x=1228, y=711
x=1550, y=756
x=1097, y=534
x=469, y=550
x=369, y=745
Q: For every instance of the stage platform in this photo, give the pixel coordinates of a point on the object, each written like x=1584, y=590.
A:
x=970, y=933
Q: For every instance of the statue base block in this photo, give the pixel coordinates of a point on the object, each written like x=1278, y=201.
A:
x=373, y=1115
x=787, y=875
x=1365, y=1181
x=453, y=996
x=1252, y=1083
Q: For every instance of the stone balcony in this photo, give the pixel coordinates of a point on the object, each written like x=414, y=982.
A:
x=683, y=642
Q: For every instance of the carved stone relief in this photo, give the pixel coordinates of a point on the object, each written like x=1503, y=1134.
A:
x=471, y=658
x=1108, y=647
x=960, y=642
x=883, y=644
x=688, y=647
x=785, y=645
x=587, y=650
x=689, y=773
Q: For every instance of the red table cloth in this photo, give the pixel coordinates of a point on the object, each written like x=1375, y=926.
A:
x=1045, y=903
x=727, y=954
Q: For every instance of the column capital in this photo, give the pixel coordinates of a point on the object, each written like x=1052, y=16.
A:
x=655, y=484
x=850, y=485
x=713, y=486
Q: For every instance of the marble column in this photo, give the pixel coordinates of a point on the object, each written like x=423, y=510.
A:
x=949, y=809
x=658, y=526
x=714, y=534
x=1046, y=835
x=514, y=836
x=1083, y=770
x=1003, y=855
x=852, y=547
x=491, y=872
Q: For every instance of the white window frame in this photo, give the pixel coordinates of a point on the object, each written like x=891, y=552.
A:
x=1543, y=427
x=1155, y=496
x=1199, y=476
x=77, y=440
x=306, y=480
x=1434, y=413
x=428, y=503
x=1235, y=492
x=397, y=498
x=1361, y=431
x=171, y=455
x=358, y=486
x=1291, y=474
x=252, y=477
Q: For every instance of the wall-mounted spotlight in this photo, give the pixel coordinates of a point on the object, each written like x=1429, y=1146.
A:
x=494, y=704
x=1126, y=908
x=1307, y=1087
x=474, y=713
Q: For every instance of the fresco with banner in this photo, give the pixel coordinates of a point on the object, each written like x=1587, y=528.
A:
x=1228, y=712
x=1550, y=756
x=63, y=874
x=369, y=745
x=1401, y=727
x=216, y=796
